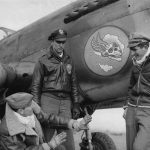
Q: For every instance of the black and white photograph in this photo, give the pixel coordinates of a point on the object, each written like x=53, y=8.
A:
x=74, y=74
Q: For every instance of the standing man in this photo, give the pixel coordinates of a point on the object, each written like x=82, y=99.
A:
x=54, y=84
x=137, y=110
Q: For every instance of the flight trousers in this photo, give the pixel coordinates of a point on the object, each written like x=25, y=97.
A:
x=60, y=107
x=138, y=128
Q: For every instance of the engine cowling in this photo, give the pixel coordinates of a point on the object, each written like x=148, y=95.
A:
x=16, y=76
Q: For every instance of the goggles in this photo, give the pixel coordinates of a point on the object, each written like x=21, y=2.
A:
x=60, y=42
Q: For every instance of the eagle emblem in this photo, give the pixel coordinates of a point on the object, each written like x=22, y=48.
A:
x=61, y=31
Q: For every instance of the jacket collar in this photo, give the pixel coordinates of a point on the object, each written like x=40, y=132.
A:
x=15, y=126
x=51, y=53
x=144, y=59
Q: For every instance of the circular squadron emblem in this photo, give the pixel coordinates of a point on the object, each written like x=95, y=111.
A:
x=106, y=51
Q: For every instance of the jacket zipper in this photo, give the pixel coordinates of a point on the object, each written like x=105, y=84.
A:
x=61, y=74
x=137, y=103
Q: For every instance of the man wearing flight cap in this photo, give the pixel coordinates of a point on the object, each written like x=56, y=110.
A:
x=137, y=108
x=54, y=83
x=20, y=128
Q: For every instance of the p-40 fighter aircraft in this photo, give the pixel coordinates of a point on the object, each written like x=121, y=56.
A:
x=98, y=32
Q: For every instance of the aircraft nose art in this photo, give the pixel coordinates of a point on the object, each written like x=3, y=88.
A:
x=106, y=51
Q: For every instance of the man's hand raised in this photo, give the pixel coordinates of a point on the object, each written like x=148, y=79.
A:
x=57, y=140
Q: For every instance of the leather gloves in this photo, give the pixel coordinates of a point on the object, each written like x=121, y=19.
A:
x=57, y=140
x=83, y=123
x=76, y=111
x=80, y=125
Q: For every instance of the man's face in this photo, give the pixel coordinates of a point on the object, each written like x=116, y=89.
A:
x=27, y=111
x=59, y=44
x=139, y=51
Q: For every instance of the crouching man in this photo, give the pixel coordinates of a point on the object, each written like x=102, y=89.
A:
x=20, y=128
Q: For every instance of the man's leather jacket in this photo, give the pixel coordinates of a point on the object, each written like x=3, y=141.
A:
x=54, y=75
x=139, y=89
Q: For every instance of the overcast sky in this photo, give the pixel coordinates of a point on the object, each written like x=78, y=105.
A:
x=15, y=14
